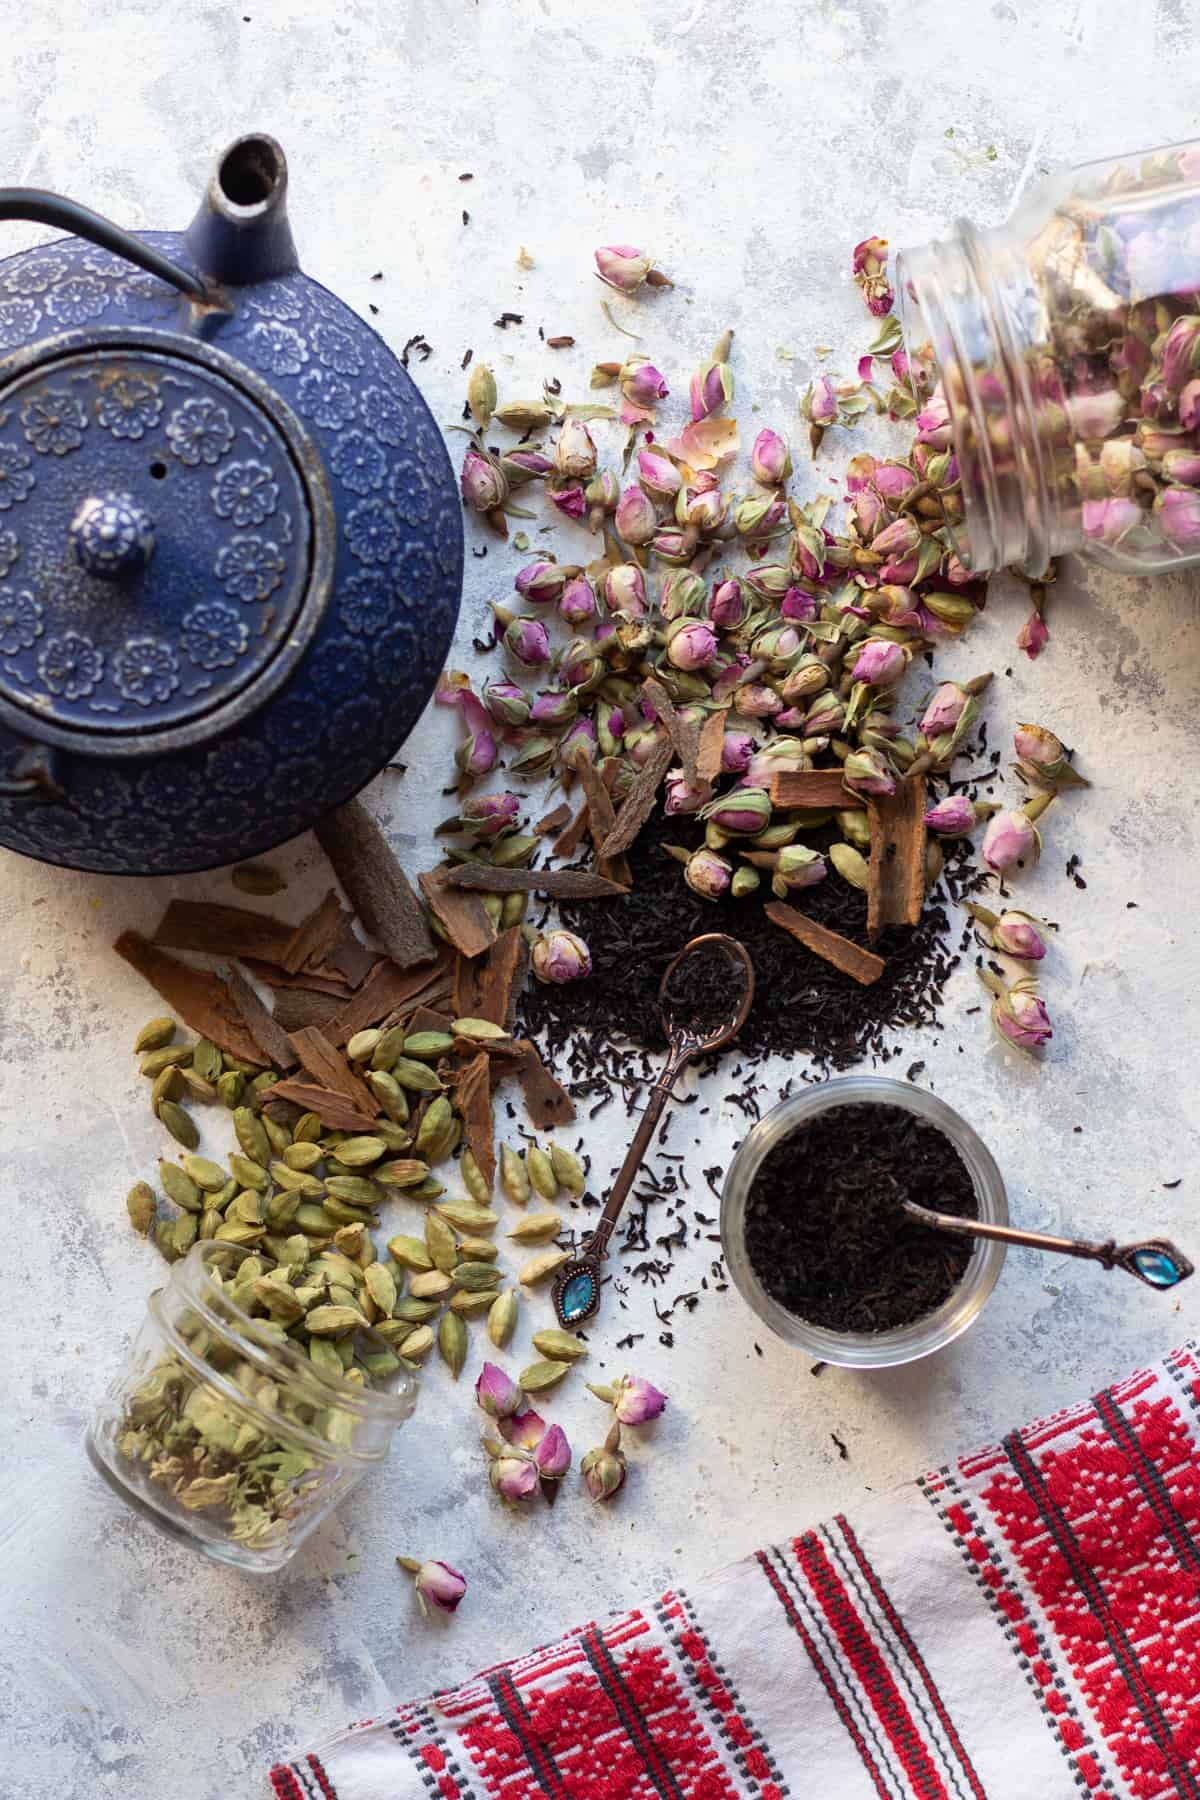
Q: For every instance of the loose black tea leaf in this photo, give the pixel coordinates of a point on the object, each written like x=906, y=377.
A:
x=826, y=1232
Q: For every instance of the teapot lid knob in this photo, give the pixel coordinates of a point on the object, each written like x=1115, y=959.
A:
x=112, y=535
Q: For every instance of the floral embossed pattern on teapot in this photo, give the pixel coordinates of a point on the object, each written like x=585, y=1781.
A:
x=230, y=538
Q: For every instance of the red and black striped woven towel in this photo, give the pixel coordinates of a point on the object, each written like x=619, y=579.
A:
x=1024, y=1625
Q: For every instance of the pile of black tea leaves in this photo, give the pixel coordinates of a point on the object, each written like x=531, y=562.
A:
x=825, y=1229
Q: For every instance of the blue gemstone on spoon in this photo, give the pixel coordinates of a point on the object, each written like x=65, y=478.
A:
x=578, y=1295
x=1156, y=1267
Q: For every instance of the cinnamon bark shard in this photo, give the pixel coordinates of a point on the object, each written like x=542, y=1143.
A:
x=332, y=1109
x=297, y=1007
x=711, y=747
x=639, y=802
x=216, y=930
x=568, y=842
x=818, y=789
x=601, y=817
x=685, y=738
x=896, y=870
x=314, y=936
x=547, y=1103
x=387, y=989
x=380, y=891
x=462, y=917
x=862, y=965
x=500, y=980
x=473, y=1092
x=560, y=884
x=201, y=999
x=273, y=977
x=331, y=1070
x=554, y=820
x=264, y=1028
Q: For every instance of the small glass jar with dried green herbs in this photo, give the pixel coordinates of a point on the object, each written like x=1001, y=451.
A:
x=224, y=1433
x=1056, y=359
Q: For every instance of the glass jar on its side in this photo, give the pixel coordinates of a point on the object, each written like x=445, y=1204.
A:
x=1065, y=349
x=866, y=1349
x=222, y=1433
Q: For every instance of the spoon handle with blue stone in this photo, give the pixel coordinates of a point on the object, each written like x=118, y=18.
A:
x=1155, y=1261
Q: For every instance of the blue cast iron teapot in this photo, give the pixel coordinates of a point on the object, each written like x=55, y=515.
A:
x=230, y=538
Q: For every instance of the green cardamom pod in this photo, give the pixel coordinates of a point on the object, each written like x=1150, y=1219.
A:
x=303, y=1157
x=359, y=1190
x=559, y=1346
x=210, y=1223
x=402, y=1172
x=307, y=1129
x=282, y=1207
x=230, y=1088
x=417, y=1344
x=179, y=1187
x=426, y=1191
x=329, y=1321
x=536, y=1228
x=513, y=910
x=546, y=1262
x=432, y=1285
x=514, y=1177
x=478, y=1249
x=164, y=1237
x=417, y=1312
x=389, y=1047
x=473, y=1178
x=168, y=1085
x=415, y=1076
x=140, y=1200
x=206, y=1174
x=296, y=1181
x=357, y=1152
x=427, y=1046
x=314, y=1221
x=251, y=1136
x=468, y=1301
x=184, y=1233
x=169, y=1056
x=452, y=1343
x=345, y=1214
x=362, y=1045
x=180, y=1124
x=195, y=1086
x=468, y=1216
x=440, y=1243
x=247, y=1171
x=206, y=1059
x=542, y=1375
x=850, y=864
x=502, y=1318
x=479, y=1031
x=474, y=1277
x=279, y=1136
x=382, y=1288
x=154, y=1035
x=568, y=1169
x=542, y=1178
x=390, y=1095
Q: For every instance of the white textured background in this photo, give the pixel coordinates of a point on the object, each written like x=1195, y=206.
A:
x=749, y=148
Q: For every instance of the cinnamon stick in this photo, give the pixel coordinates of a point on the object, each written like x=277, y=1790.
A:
x=376, y=884
x=817, y=789
x=711, y=746
x=684, y=737
x=560, y=884
x=264, y=1028
x=554, y=820
x=349, y=955
x=463, y=918
x=201, y=999
x=297, y=1007
x=216, y=930
x=428, y=1018
x=639, y=802
x=387, y=988
x=568, y=841
x=331, y=1069
x=546, y=1101
x=473, y=1092
x=896, y=869
x=332, y=1109
x=862, y=965
x=601, y=817
x=315, y=935
x=274, y=977
x=501, y=978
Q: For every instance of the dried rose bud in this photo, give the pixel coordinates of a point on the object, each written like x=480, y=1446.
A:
x=894, y=482
x=575, y=452
x=579, y=741
x=544, y=581
x=946, y=708
x=797, y=867
x=879, y=662
x=779, y=645
x=497, y=1393
x=770, y=458
x=1181, y=352
x=727, y=604
x=702, y=506
x=899, y=539
x=737, y=749
x=635, y=1401
x=1010, y=838
x=783, y=755
x=484, y=487
x=534, y=756
x=552, y=1455
x=708, y=874
x=526, y=638
x=682, y=593
x=954, y=816
x=1189, y=405
x=690, y=644
x=682, y=795
x=741, y=813
x=513, y=1478
x=623, y=267
x=641, y=383
x=577, y=602
x=487, y=815
x=870, y=272
x=868, y=772
x=1033, y=743
x=1178, y=512
x=636, y=520
x=603, y=1473
x=523, y=1430
x=710, y=388
x=933, y=421
x=807, y=554
x=610, y=730
x=754, y=700
x=1033, y=635
x=658, y=475
x=601, y=493
x=625, y=591
x=568, y=500
x=640, y=743
x=520, y=466
x=1183, y=467
x=554, y=709
x=1021, y=1018
x=799, y=607
x=1016, y=934
x=810, y=676
x=759, y=517
x=561, y=956
x=438, y=1584
x=819, y=404
x=768, y=581
x=1095, y=416
x=1108, y=521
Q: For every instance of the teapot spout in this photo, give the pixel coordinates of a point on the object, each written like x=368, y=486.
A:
x=241, y=233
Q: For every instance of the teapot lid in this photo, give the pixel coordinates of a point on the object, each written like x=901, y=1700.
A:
x=166, y=536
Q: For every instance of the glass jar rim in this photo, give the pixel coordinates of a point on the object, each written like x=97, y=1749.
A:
x=900, y=1344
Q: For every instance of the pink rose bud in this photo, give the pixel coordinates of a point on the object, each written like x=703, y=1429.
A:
x=1021, y=1017
x=640, y=743
x=707, y=874
x=682, y=593
x=1108, y=521
x=625, y=591
x=868, y=513
x=439, y=1584
x=868, y=772
x=569, y=501
x=701, y=505
x=521, y=466
x=783, y=755
x=870, y=272
x=690, y=644
x=623, y=267
x=952, y=817
x=487, y=815
x=523, y=1430
x=477, y=754
x=513, y=1478
x=770, y=458
x=642, y=383
x=603, y=1473
x=768, y=581
x=672, y=545
x=893, y=482
x=610, y=730
x=1181, y=352
x=709, y=389
x=658, y=474
x=899, y=539
x=1033, y=743
x=759, y=517
x=727, y=605
x=534, y=756
x=779, y=644
x=553, y=709
x=483, y=484
x=1033, y=635
x=808, y=552
x=497, y=1393
x=879, y=662
x=1008, y=840
x=1189, y=405
x=601, y=493
x=575, y=452
x=577, y=602
x=1096, y=415
x=636, y=520
x=933, y=421
x=682, y=795
x=944, y=709
x=797, y=867
x=743, y=812
x=737, y=749
x=754, y=700
x=799, y=606
x=820, y=405
x=544, y=581
x=1178, y=511
x=552, y=1456
x=561, y=956
x=1182, y=466
x=1015, y=934
x=635, y=1401
x=507, y=703
x=825, y=717
x=528, y=640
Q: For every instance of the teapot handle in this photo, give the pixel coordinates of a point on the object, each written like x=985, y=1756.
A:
x=44, y=208
x=34, y=778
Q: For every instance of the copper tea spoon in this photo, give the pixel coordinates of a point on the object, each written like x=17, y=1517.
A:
x=577, y=1288
x=1155, y=1261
